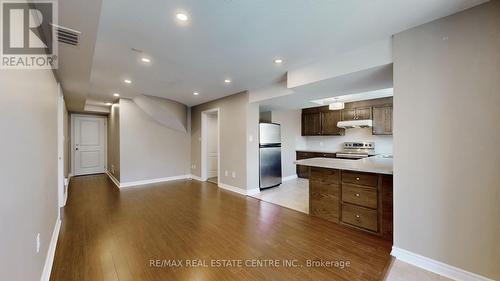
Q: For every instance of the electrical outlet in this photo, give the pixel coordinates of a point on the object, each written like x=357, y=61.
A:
x=226, y=173
x=233, y=174
x=38, y=242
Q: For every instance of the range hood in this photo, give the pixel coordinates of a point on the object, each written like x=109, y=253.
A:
x=355, y=124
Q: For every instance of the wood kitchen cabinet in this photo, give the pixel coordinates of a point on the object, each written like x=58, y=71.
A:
x=358, y=113
x=329, y=121
x=311, y=124
x=382, y=120
x=320, y=121
x=355, y=199
x=303, y=171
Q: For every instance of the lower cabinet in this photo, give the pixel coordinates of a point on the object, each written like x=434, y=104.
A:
x=354, y=199
x=324, y=193
x=303, y=171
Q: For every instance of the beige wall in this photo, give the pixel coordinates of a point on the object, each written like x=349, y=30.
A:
x=291, y=139
x=233, y=135
x=149, y=150
x=114, y=141
x=446, y=137
x=28, y=170
x=252, y=141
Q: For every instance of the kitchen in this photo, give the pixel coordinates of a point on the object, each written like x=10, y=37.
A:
x=342, y=155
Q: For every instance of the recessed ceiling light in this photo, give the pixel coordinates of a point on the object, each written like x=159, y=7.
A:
x=127, y=81
x=227, y=81
x=181, y=16
x=145, y=60
x=196, y=93
x=108, y=104
x=278, y=61
x=116, y=94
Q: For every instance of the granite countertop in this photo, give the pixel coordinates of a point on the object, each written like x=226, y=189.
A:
x=376, y=164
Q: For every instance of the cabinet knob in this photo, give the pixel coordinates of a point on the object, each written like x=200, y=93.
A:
x=357, y=194
x=357, y=179
x=358, y=216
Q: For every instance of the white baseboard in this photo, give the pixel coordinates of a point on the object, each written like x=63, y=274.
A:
x=239, y=190
x=113, y=179
x=292, y=177
x=440, y=268
x=194, y=177
x=253, y=191
x=49, y=259
x=143, y=182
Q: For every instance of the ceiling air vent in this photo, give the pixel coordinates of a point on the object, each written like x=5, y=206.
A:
x=66, y=35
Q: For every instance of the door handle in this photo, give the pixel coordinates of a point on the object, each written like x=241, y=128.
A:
x=76, y=148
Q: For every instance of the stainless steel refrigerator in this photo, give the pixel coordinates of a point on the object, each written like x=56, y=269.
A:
x=269, y=155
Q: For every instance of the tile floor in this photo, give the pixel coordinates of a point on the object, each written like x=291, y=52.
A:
x=293, y=194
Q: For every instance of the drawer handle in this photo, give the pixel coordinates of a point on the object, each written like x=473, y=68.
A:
x=358, y=216
x=357, y=194
x=357, y=179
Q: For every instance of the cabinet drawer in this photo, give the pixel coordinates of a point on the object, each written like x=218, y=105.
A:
x=325, y=175
x=362, y=196
x=367, y=179
x=360, y=216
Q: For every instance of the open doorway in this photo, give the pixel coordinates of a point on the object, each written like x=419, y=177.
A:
x=210, y=168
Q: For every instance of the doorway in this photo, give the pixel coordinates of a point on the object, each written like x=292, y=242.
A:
x=88, y=144
x=210, y=131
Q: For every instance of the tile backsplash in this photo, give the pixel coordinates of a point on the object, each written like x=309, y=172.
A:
x=383, y=144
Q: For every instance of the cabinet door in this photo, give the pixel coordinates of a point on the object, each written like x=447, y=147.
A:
x=382, y=120
x=329, y=123
x=363, y=113
x=348, y=114
x=311, y=124
x=303, y=171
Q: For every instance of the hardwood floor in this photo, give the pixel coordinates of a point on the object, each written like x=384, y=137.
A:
x=111, y=234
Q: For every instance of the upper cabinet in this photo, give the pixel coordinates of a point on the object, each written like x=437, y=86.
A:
x=382, y=120
x=357, y=113
x=311, y=123
x=329, y=121
x=320, y=121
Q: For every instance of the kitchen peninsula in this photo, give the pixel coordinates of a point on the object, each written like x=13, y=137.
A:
x=355, y=193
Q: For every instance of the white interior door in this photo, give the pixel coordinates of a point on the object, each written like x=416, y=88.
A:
x=212, y=144
x=89, y=145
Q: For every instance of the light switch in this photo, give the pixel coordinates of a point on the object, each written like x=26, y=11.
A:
x=233, y=174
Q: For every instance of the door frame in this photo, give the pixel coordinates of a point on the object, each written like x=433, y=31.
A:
x=204, y=144
x=73, y=139
x=61, y=157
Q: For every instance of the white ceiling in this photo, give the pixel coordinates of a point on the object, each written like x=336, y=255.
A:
x=233, y=39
